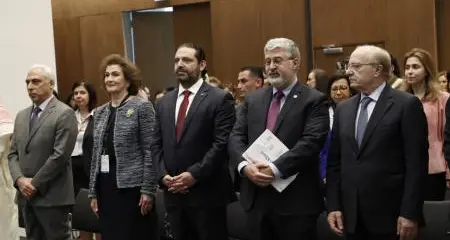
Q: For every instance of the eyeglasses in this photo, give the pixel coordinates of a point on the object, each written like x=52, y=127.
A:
x=277, y=61
x=357, y=66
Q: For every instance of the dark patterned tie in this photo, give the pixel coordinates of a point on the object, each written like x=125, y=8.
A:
x=182, y=114
x=274, y=110
x=362, y=119
x=34, y=117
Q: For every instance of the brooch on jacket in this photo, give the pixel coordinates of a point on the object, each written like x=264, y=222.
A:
x=130, y=112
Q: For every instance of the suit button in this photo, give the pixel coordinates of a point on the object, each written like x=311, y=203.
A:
x=27, y=151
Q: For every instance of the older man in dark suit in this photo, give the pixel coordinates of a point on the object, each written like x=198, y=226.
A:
x=39, y=160
x=378, y=160
x=298, y=116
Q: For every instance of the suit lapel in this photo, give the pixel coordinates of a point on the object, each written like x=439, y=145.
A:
x=291, y=100
x=383, y=104
x=354, y=104
x=47, y=111
x=264, y=107
x=199, y=97
x=172, y=103
x=26, y=123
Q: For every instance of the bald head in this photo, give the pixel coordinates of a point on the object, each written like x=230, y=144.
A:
x=369, y=66
x=377, y=55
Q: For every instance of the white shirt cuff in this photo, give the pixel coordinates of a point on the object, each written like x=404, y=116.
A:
x=275, y=170
x=241, y=166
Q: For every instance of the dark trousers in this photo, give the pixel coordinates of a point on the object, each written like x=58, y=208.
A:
x=46, y=223
x=436, y=187
x=263, y=223
x=361, y=233
x=198, y=223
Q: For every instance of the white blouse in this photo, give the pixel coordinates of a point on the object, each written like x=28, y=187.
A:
x=82, y=125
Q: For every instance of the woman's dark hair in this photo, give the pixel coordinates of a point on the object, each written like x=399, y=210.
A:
x=69, y=99
x=199, y=55
x=91, y=92
x=394, y=63
x=333, y=78
x=131, y=73
x=321, y=79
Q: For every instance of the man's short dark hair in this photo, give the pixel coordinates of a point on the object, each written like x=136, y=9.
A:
x=255, y=71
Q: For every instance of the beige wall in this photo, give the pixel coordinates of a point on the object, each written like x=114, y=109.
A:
x=27, y=39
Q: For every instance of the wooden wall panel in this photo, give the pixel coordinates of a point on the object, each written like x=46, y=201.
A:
x=192, y=23
x=101, y=35
x=236, y=36
x=61, y=9
x=400, y=24
x=69, y=65
x=348, y=21
x=410, y=24
x=443, y=33
x=81, y=8
x=240, y=29
x=153, y=32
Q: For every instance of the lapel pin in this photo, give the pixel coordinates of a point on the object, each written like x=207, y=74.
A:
x=295, y=96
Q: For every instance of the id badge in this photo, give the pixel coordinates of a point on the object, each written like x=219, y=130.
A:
x=104, y=165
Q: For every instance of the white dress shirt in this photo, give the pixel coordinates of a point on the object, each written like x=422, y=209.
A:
x=331, y=114
x=375, y=95
x=193, y=89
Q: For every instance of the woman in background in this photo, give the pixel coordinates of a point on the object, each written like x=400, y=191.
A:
x=395, y=81
x=122, y=180
x=215, y=82
x=421, y=80
x=317, y=79
x=338, y=91
x=443, y=81
x=85, y=100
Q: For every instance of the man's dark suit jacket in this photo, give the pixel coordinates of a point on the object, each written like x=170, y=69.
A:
x=202, y=149
x=385, y=177
x=447, y=133
x=302, y=126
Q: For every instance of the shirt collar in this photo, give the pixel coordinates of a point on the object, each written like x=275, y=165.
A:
x=375, y=95
x=44, y=104
x=287, y=90
x=193, y=89
x=77, y=112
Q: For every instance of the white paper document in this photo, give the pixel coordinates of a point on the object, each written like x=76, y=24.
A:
x=267, y=147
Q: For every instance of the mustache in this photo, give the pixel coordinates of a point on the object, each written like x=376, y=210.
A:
x=181, y=70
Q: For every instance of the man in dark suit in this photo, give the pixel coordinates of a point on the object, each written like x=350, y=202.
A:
x=378, y=160
x=39, y=159
x=250, y=78
x=192, y=127
x=298, y=116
